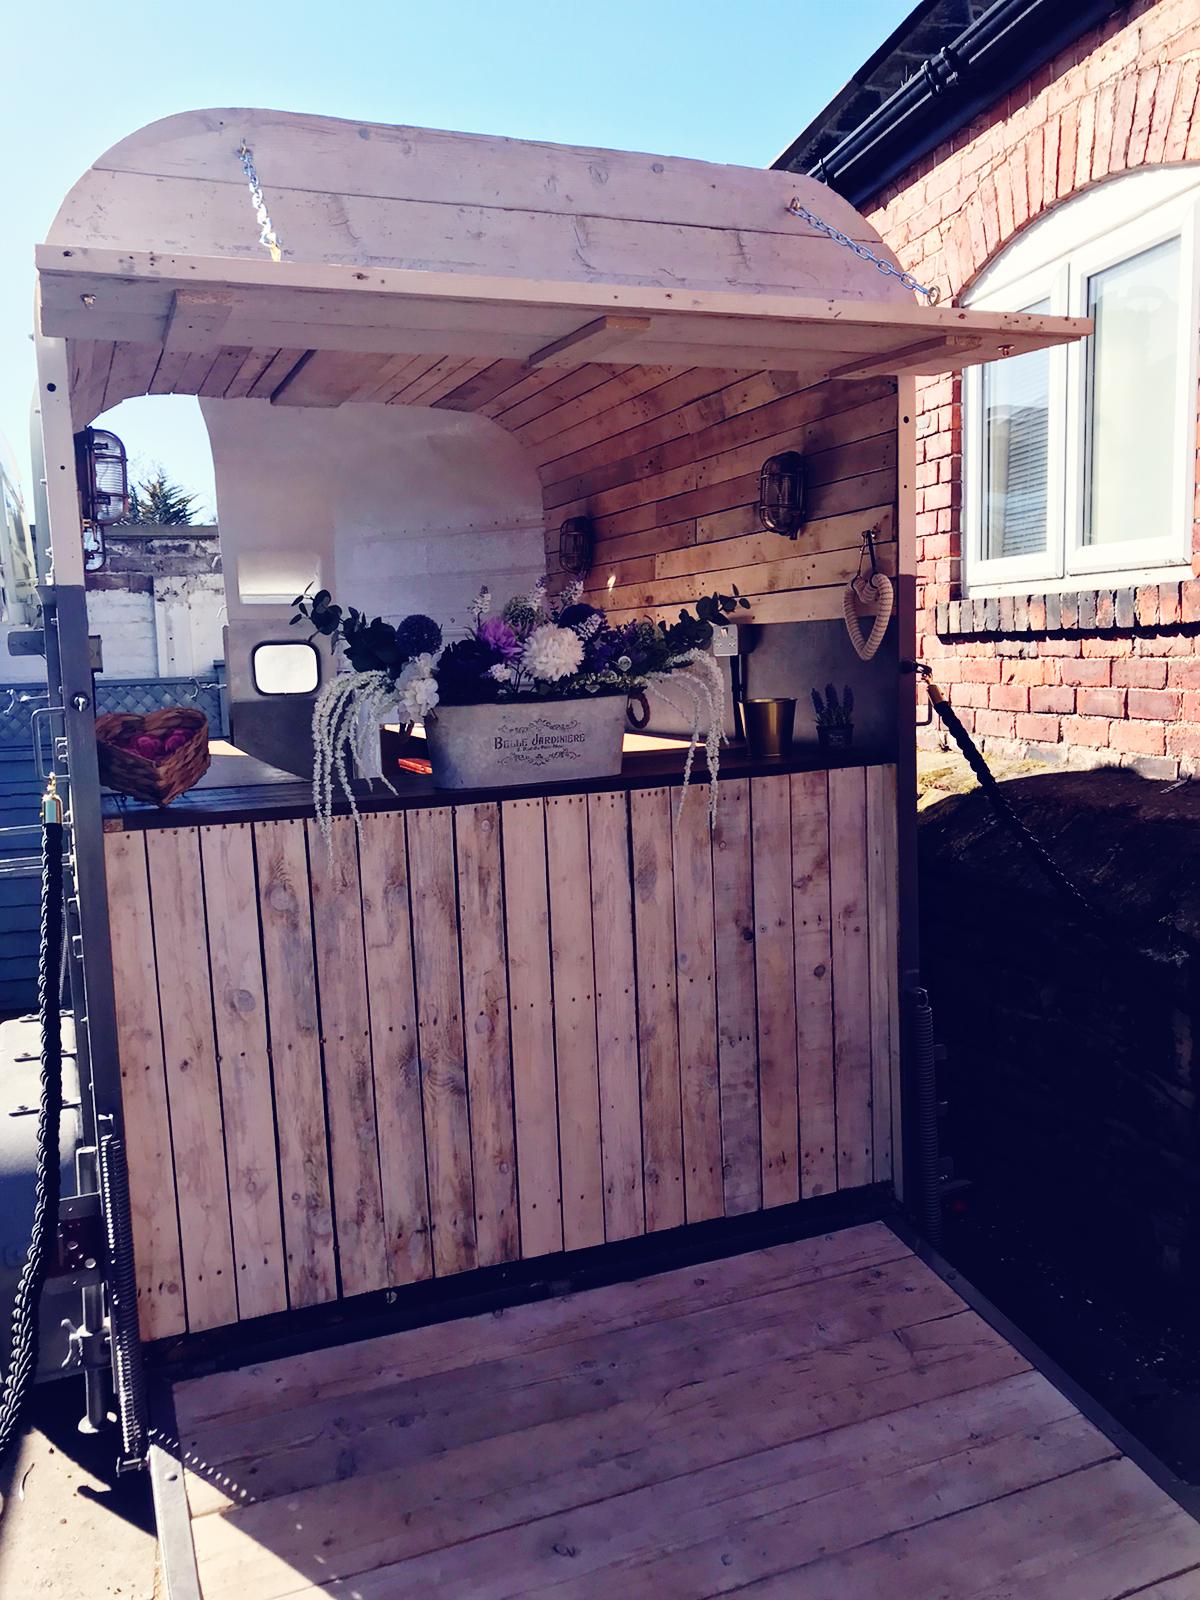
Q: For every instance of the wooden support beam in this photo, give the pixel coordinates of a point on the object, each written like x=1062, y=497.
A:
x=197, y=318
x=921, y=353
x=590, y=341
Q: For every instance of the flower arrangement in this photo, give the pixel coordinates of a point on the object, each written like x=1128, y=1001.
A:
x=533, y=648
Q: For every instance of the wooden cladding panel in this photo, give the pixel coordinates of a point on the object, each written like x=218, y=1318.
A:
x=240, y=1015
x=152, y=1174
x=485, y=1026
x=346, y=1043
x=472, y=1034
x=669, y=477
x=193, y=1087
x=289, y=966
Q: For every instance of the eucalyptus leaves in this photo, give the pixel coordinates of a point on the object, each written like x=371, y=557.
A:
x=533, y=648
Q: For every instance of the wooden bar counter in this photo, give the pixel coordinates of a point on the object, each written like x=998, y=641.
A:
x=492, y=1026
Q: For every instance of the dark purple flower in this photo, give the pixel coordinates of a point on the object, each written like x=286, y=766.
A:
x=498, y=636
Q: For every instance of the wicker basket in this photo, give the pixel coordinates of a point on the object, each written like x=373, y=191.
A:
x=159, y=782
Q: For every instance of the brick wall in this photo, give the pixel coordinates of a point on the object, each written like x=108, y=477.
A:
x=1110, y=675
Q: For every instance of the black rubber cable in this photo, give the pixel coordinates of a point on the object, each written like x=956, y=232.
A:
x=22, y=1365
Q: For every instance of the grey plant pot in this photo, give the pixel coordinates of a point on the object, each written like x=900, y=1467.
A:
x=549, y=741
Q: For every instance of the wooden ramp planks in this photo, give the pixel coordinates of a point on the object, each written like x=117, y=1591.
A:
x=815, y=1419
x=470, y=1034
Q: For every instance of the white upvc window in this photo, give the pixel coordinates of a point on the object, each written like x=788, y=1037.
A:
x=1079, y=462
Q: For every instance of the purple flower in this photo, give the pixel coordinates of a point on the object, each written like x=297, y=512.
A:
x=497, y=634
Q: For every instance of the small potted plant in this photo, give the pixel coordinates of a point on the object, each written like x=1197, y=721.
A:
x=835, y=718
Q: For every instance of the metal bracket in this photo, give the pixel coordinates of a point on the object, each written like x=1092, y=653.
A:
x=80, y=1250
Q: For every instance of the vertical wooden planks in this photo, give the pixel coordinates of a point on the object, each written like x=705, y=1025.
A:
x=535, y=1102
x=346, y=1046
x=814, y=982
x=653, y=896
x=616, y=1016
x=197, y=1129
x=851, y=974
x=152, y=1198
x=439, y=1030
x=485, y=1025
x=775, y=987
x=247, y=1100
x=695, y=961
x=387, y=935
x=885, y=980
x=733, y=897
x=573, y=981
x=289, y=962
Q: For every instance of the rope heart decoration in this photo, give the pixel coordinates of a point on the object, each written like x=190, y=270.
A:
x=868, y=599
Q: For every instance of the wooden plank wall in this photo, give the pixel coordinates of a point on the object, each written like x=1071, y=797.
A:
x=669, y=472
x=482, y=1032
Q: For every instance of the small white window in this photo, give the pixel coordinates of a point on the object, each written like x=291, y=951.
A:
x=1079, y=462
x=290, y=668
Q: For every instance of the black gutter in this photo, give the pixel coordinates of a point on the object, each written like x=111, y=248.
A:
x=1001, y=49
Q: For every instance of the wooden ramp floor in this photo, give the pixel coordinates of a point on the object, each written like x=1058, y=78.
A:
x=823, y=1420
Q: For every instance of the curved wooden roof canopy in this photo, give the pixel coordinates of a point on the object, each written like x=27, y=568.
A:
x=458, y=271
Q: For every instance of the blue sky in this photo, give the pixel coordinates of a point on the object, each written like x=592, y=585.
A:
x=721, y=81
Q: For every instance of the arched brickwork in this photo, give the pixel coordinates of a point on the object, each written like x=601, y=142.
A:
x=1107, y=675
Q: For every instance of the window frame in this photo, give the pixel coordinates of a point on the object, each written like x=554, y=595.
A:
x=1044, y=285
x=1068, y=562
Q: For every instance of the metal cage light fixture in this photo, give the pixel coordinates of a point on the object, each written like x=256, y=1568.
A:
x=781, y=493
x=576, y=546
x=103, y=472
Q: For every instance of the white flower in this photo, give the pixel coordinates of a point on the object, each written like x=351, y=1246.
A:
x=501, y=672
x=416, y=689
x=570, y=594
x=552, y=652
x=624, y=664
x=482, y=604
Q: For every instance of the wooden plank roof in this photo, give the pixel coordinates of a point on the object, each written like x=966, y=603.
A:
x=428, y=268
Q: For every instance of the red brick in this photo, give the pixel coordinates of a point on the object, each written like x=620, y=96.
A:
x=1008, y=697
x=1030, y=672
x=1147, y=738
x=1087, y=674
x=1141, y=672
x=969, y=694
x=995, y=724
x=981, y=669
x=1183, y=674
x=1154, y=704
x=1091, y=731
x=1184, y=739
x=1190, y=711
x=1101, y=702
x=1042, y=729
x=1052, y=697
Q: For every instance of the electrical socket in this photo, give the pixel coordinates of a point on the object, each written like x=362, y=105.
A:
x=725, y=641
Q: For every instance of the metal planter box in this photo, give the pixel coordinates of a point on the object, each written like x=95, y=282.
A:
x=546, y=741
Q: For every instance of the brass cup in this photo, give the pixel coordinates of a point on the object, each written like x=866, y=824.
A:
x=769, y=725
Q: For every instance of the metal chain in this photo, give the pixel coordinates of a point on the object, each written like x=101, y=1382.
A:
x=864, y=252
x=267, y=236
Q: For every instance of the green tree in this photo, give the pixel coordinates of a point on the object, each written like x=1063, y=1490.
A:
x=157, y=499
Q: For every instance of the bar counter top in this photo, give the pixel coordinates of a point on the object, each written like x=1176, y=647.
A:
x=239, y=788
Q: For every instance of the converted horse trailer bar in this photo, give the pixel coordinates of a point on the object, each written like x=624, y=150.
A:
x=489, y=1046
